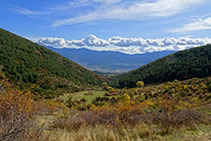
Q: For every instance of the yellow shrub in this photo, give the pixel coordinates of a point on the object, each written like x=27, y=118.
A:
x=125, y=98
x=93, y=107
x=140, y=84
x=16, y=101
x=112, y=90
x=149, y=102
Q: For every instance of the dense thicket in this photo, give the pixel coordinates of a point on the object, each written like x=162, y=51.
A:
x=195, y=62
x=27, y=63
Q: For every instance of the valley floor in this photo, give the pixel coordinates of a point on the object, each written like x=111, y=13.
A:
x=178, y=110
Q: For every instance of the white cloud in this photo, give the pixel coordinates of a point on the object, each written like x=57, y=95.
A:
x=93, y=10
x=65, y=8
x=26, y=12
x=81, y=3
x=136, y=10
x=195, y=25
x=126, y=45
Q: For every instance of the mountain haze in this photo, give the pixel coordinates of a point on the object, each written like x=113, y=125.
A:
x=109, y=61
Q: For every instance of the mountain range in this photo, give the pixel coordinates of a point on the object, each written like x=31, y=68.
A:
x=109, y=61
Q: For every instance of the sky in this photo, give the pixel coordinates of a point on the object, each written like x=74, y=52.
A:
x=128, y=26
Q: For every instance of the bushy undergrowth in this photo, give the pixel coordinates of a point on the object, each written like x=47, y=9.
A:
x=129, y=125
x=17, y=110
x=168, y=107
x=146, y=112
x=166, y=120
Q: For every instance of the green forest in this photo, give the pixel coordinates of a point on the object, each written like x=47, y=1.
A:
x=27, y=63
x=194, y=62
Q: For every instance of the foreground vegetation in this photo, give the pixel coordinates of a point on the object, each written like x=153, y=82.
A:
x=178, y=110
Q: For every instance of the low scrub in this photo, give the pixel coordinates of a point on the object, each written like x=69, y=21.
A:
x=79, y=119
x=166, y=120
x=16, y=116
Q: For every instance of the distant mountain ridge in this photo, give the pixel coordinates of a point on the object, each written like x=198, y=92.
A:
x=109, y=61
x=194, y=62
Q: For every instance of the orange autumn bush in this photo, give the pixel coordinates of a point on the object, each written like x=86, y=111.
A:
x=16, y=115
x=16, y=101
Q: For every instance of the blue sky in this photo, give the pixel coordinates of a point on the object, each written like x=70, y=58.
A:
x=104, y=18
x=77, y=19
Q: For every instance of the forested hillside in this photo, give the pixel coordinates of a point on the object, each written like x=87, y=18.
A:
x=195, y=62
x=26, y=63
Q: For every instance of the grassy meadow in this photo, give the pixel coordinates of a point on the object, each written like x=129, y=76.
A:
x=87, y=95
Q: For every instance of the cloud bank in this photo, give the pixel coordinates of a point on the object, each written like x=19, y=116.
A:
x=126, y=45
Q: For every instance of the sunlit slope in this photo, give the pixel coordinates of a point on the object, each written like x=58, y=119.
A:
x=28, y=63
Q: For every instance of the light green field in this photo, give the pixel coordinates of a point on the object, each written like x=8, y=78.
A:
x=88, y=98
x=80, y=95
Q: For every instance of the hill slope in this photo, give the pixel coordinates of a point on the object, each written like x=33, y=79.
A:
x=28, y=63
x=195, y=62
x=109, y=61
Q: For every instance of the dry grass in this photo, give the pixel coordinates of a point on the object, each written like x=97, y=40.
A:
x=102, y=125
x=166, y=120
x=81, y=119
x=97, y=133
x=140, y=132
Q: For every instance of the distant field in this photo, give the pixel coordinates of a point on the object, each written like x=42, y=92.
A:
x=84, y=94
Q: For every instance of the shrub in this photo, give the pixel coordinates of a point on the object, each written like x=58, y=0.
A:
x=104, y=85
x=79, y=119
x=140, y=84
x=125, y=98
x=16, y=111
x=208, y=84
x=99, y=101
x=89, y=93
x=179, y=118
x=83, y=100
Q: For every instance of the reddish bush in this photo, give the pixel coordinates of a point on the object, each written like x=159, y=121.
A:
x=16, y=115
